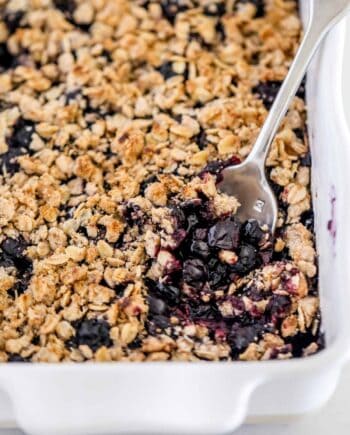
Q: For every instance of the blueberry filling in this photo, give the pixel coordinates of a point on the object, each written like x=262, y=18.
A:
x=18, y=144
x=12, y=255
x=204, y=270
x=93, y=333
x=267, y=91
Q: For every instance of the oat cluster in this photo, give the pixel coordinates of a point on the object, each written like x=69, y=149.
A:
x=116, y=118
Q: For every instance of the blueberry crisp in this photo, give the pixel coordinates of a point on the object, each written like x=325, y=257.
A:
x=116, y=120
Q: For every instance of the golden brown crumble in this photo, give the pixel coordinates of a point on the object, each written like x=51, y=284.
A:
x=109, y=112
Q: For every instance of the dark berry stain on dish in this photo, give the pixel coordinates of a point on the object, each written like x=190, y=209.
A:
x=332, y=223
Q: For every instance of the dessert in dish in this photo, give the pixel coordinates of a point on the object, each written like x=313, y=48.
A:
x=117, y=118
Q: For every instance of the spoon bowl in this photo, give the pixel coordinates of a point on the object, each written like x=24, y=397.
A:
x=247, y=182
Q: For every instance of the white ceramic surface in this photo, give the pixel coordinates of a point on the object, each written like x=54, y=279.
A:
x=214, y=398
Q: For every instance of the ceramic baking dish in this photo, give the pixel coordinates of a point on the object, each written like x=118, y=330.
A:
x=215, y=398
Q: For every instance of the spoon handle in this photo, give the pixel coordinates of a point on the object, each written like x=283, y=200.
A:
x=323, y=14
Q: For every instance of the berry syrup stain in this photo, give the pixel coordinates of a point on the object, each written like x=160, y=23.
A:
x=332, y=223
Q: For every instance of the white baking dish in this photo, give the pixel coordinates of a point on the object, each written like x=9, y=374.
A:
x=215, y=398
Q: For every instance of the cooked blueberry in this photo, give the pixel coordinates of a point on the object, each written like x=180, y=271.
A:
x=171, y=8
x=253, y=293
x=267, y=92
x=192, y=221
x=200, y=234
x=247, y=259
x=156, y=305
x=301, y=341
x=218, y=275
x=12, y=255
x=215, y=9
x=6, y=260
x=201, y=139
x=195, y=36
x=66, y=6
x=240, y=337
x=15, y=357
x=7, y=60
x=204, y=312
x=224, y=234
x=170, y=293
x=277, y=189
x=72, y=95
x=299, y=133
x=179, y=217
x=308, y=218
x=13, y=20
x=178, y=237
x=191, y=206
x=259, y=5
x=279, y=306
x=247, y=256
x=133, y=214
x=217, y=166
x=220, y=30
x=266, y=255
x=251, y=232
x=306, y=160
x=194, y=272
x=8, y=161
x=213, y=167
x=94, y=333
x=157, y=322
x=22, y=133
x=146, y=182
x=166, y=69
x=200, y=248
x=135, y=344
x=14, y=248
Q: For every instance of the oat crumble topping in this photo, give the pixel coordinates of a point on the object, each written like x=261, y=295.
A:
x=116, y=118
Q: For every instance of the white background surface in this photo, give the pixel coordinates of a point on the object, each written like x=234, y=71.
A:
x=335, y=417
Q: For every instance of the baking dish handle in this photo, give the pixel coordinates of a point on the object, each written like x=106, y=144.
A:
x=95, y=400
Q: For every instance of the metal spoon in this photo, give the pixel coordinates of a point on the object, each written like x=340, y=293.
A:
x=247, y=181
